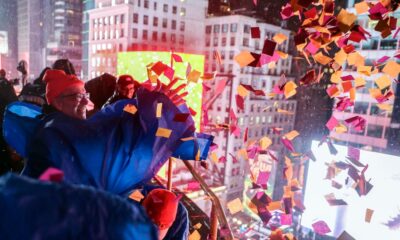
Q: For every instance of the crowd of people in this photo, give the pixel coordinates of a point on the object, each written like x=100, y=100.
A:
x=104, y=154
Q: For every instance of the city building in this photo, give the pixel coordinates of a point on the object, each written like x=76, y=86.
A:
x=87, y=5
x=62, y=21
x=8, y=37
x=30, y=25
x=381, y=126
x=140, y=25
x=47, y=31
x=229, y=35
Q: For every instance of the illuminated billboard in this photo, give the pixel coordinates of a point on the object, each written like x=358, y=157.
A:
x=382, y=200
x=134, y=63
x=3, y=42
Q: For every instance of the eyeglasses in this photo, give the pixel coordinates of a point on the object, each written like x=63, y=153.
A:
x=78, y=96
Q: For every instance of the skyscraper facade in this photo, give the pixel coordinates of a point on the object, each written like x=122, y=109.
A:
x=229, y=35
x=137, y=25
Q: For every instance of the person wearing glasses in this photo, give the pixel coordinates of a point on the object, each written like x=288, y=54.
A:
x=118, y=149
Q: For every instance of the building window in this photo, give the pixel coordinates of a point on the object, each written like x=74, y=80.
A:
x=216, y=28
x=122, y=33
x=246, y=28
x=207, y=42
x=163, y=37
x=233, y=27
x=154, y=36
x=173, y=24
x=122, y=18
x=134, y=33
x=155, y=21
x=181, y=39
x=232, y=41
x=146, y=3
x=173, y=38
x=165, y=23
x=375, y=131
x=145, y=19
x=116, y=17
x=215, y=42
x=144, y=34
x=223, y=42
x=208, y=29
x=231, y=54
x=361, y=107
x=165, y=8
x=182, y=26
x=135, y=18
x=138, y=3
x=183, y=12
x=155, y=5
x=245, y=42
x=225, y=28
x=174, y=9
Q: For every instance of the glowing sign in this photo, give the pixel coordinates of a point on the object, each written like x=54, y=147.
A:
x=384, y=172
x=134, y=63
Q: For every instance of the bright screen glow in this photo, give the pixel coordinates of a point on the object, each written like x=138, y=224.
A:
x=134, y=63
x=3, y=42
x=384, y=172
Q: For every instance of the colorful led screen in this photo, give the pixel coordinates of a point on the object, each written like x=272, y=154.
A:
x=134, y=63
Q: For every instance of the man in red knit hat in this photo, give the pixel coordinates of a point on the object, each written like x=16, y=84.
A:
x=66, y=93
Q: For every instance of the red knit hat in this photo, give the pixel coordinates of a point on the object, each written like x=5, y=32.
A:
x=57, y=81
x=161, y=205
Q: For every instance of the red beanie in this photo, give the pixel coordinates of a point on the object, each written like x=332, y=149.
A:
x=57, y=81
x=161, y=205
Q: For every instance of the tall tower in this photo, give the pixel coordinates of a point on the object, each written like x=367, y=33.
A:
x=8, y=37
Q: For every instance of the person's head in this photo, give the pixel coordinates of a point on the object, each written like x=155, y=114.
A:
x=66, y=93
x=65, y=65
x=126, y=86
x=161, y=206
x=2, y=73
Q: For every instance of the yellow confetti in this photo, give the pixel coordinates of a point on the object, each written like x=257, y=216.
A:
x=163, y=132
x=235, y=206
x=159, y=110
x=130, y=109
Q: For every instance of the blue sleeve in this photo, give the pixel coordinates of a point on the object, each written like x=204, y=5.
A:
x=114, y=150
x=32, y=209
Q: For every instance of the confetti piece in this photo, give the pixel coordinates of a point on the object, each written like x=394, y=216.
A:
x=383, y=82
x=265, y=142
x=361, y=7
x=290, y=89
x=279, y=38
x=321, y=227
x=244, y=58
x=392, y=69
x=292, y=135
x=345, y=236
x=332, y=123
x=255, y=32
x=235, y=206
x=136, y=196
x=269, y=47
x=181, y=117
x=163, y=132
x=177, y=58
x=52, y=174
x=130, y=109
x=242, y=91
x=158, y=68
x=195, y=235
x=368, y=215
x=159, y=110
x=194, y=76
